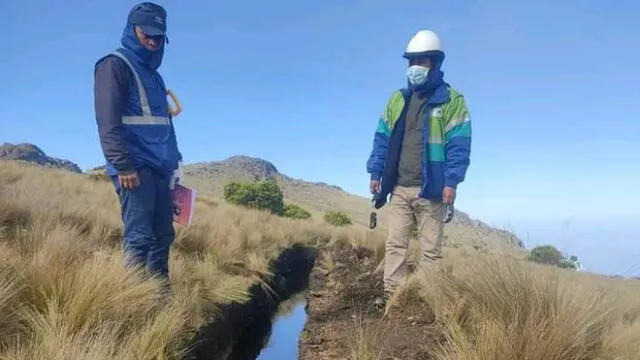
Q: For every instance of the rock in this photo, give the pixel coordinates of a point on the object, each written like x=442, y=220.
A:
x=32, y=154
x=253, y=168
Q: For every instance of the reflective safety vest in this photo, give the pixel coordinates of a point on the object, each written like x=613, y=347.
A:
x=147, y=123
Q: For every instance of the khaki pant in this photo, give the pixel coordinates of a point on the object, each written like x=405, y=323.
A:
x=406, y=210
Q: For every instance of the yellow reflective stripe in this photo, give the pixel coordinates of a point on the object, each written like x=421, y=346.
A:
x=145, y=120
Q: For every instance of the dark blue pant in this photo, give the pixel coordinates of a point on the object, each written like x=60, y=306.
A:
x=148, y=221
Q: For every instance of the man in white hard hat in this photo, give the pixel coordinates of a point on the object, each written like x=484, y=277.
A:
x=420, y=154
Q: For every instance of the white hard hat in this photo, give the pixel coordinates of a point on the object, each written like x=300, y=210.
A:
x=424, y=42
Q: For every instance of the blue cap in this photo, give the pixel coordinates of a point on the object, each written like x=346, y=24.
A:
x=151, y=18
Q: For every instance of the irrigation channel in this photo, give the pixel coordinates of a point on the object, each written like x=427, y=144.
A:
x=268, y=326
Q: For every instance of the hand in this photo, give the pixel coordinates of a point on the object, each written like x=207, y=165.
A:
x=449, y=195
x=176, y=177
x=129, y=180
x=374, y=186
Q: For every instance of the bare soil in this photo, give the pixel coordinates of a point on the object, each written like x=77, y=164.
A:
x=342, y=315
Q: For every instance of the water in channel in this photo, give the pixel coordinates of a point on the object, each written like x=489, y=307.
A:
x=288, y=324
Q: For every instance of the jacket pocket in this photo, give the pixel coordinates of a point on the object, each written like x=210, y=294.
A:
x=151, y=134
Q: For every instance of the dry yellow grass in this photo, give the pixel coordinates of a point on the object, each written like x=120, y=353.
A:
x=495, y=307
x=366, y=341
x=64, y=293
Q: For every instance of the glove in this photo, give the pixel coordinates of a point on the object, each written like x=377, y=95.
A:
x=176, y=176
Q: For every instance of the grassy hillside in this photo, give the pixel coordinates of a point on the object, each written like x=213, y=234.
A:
x=315, y=197
x=210, y=177
x=494, y=307
x=65, y=295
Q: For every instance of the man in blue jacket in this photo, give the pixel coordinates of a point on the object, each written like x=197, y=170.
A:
x=137, y=137
x=420, y=154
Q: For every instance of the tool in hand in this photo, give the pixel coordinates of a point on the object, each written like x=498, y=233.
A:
x=373, y=216
x=178, y=108
x=448, y=213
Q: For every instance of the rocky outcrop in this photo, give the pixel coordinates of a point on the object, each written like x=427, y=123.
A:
x=465, y=220
x=32, y=154
x=251, y=168
x=240, y=165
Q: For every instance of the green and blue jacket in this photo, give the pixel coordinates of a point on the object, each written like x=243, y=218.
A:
x=447, y=143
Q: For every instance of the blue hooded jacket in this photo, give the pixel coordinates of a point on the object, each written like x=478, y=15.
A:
x=146, y=136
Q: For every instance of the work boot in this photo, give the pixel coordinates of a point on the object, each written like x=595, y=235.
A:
x=381, y=301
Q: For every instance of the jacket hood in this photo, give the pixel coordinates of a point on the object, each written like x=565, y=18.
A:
x=130, y=41
x=435, y=78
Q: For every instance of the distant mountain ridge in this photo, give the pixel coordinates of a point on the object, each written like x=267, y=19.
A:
x=247, y=167
x=33, y=154
x=317, y=197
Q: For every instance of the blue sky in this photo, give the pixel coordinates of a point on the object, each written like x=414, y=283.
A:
x=552, y=88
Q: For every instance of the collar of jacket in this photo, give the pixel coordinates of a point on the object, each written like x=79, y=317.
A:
x=439, y=96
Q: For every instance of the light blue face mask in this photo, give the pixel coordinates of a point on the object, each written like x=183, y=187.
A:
x=417, y=74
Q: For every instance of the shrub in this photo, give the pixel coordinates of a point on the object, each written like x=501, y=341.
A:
x=264, y=195
x=295, y=212
x=337, y=218
x=99, y=177
x=98, y=174
x=550, y=255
